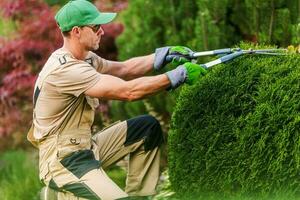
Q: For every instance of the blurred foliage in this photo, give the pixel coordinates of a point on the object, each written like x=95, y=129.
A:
x=118, y=175
x=19, y=176
x=7, y=27
x=236, y=132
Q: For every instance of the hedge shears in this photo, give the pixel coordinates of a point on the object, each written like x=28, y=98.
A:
x=230, y=54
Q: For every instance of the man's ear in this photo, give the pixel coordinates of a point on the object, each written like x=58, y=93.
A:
x=76, y=31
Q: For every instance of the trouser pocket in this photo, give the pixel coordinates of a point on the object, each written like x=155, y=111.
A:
x=71, y=142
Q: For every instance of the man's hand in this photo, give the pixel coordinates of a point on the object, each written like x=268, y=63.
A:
x=180, y=55
x=194, y=72
x=176, y=55
x=187, y=73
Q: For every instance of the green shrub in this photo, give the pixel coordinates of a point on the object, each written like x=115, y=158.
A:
x=236, y=132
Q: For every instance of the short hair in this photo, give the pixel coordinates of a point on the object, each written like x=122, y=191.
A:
x=66, y=33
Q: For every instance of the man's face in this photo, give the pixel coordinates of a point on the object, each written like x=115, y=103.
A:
x=90, y=37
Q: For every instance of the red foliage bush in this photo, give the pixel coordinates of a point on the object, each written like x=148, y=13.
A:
x=21, y=58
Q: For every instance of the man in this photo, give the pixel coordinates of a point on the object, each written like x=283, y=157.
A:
x=71, y=161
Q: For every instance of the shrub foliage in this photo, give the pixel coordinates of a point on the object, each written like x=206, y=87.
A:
x=237, y=130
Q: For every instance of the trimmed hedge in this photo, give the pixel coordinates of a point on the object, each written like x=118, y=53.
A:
x=236, y=132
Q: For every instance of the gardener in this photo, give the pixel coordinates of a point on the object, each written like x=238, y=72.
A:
x=65, y=98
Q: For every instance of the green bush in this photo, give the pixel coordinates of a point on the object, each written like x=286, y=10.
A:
x=236, y=132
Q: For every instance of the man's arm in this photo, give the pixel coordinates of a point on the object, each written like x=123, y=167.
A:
x=130, y=69
x=113, y=88
x=139, y=66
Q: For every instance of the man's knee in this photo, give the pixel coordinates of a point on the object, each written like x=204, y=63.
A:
x=144, y=127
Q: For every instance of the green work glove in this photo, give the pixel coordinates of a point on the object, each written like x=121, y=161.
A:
x=181, y=55
x=187, y=73
x=194, y=72
x=176, y=55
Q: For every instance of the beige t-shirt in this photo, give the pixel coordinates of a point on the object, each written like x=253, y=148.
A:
x=59, y=100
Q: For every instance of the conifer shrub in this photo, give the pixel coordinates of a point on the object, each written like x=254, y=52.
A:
x=236, y=132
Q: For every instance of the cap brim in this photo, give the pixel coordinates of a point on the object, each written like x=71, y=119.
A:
x=104, y=18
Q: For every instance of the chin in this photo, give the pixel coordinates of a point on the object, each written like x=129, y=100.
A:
x=93, y=48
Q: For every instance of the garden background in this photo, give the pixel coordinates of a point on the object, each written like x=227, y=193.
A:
x=28, y=35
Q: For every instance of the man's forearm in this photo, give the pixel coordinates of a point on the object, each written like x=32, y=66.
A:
x=138, y=66
x=113, y=88
x=130, y=69
x=142, y=87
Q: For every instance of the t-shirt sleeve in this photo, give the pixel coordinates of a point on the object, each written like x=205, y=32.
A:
x=99, y=63
x=75, y=78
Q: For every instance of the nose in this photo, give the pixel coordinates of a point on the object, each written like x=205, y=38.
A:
x=100, y=31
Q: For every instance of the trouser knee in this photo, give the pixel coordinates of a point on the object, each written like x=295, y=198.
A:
x=144, y=127
x=47, y=193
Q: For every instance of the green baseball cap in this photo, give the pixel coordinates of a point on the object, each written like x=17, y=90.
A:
x=81, y=13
